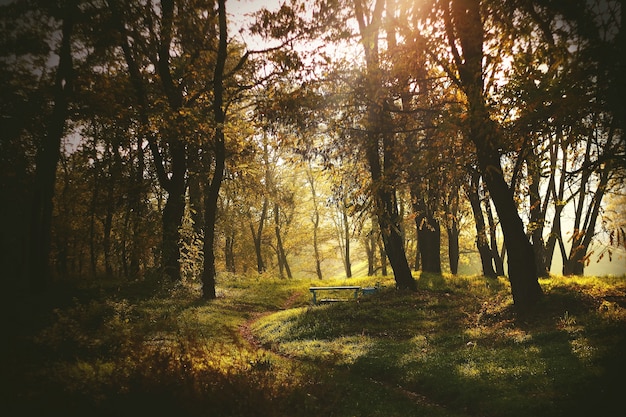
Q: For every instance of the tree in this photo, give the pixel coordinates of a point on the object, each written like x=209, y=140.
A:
x=25, y=96
x=568, y=119
x=482, y=243
x=312, y=180
x=464, y=24
x=48, y=154
x=378, y=140
x=168, y=105
x=212, y=187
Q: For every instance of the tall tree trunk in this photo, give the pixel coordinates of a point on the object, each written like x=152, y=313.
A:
x=493, y=238
x=370, y=252
x=213, y=187
x=557, y=197
x=453, y=247
x=136, y=203
x=107, y=224
x=383, y=256
x=451, y=207
x=173, y=211
x=428, y=232
x=174, y=182
x=93, y=254
x=418, y=255
x=315, y=220
x=195, y=188
x=584, y=233
x=257, y=237
x=537, y=214
x=316, y=249
x=346, y=237
x=467, y=32
x=280, y=249
x=229, y=252
x=47, y=159
x=479, y=220
x=520, y=254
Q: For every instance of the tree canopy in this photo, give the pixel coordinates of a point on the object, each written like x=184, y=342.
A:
x=190, y=139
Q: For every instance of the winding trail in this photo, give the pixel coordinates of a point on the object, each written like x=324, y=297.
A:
x=245, y=330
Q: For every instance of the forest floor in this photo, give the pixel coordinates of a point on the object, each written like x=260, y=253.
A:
x=456, y=347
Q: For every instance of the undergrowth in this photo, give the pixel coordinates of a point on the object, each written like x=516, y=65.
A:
x=454, y=347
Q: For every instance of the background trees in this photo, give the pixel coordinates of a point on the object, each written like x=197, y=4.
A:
x=410, y=114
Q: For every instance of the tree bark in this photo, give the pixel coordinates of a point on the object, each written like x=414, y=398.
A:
x=482, y=243
x=583, y=234
x=174, y=210
x=378, y=141
x=557, y=197
x=315, y=220
x=537, y=213
x=229, y=252
x=467, y=32
x=47, y=159
x=136, y=204
x=346, y=237
x=428, y=232
x=280, y=249
x=213, y=187
x=175, y=182
x=257, y=237
x=453, y=248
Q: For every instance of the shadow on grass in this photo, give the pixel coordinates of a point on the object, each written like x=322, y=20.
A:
x=467, y=359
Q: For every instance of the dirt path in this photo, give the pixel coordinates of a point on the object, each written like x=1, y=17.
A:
x=245, y=329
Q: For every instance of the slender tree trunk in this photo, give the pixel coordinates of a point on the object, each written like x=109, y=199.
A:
x=213, y=187
x=479, y=220
x=136, y=201
x=418, y=255
x=370, y=252
x=346, y=237
x=451, y=206
x=556, y=231
x=195, y=188
x=383, y=256
x=47, y=159
x=316, y=249
x=537, y=214
x=229, y=252
x=280, y=250
x=315, y=220
x=583, y=235
x=453, y=247
x=493, y=227
x=124, y=244
x=93, y=254
x=107, y=224
x=257, y=237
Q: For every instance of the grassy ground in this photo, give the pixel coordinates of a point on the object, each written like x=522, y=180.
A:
x=454, y=348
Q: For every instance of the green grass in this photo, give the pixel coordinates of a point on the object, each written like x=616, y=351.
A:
x=454, y=348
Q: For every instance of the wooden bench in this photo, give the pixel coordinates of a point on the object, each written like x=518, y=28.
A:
x=315, y=290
